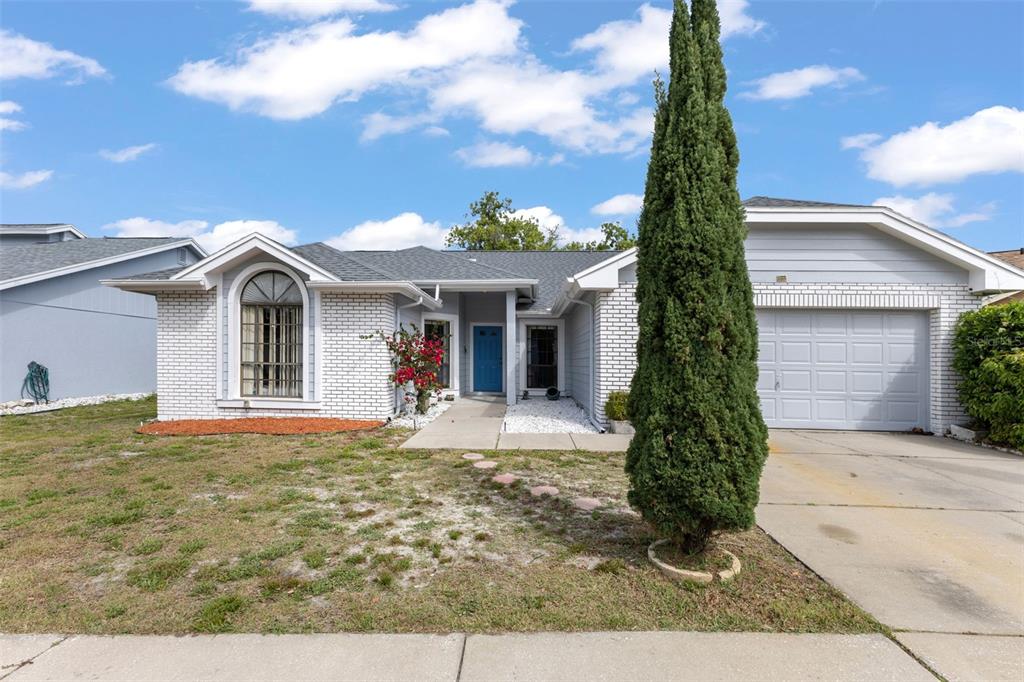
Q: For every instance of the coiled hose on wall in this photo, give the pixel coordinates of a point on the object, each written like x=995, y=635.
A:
x=37, y=383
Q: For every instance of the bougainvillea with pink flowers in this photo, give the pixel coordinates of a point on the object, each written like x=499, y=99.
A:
x=417, y=359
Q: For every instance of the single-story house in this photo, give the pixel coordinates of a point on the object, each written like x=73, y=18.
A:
x=53, y=310
x=856, y=306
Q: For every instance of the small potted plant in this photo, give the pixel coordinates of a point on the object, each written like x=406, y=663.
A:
x=615, y=408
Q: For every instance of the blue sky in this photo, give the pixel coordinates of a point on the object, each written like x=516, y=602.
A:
x=374, y=123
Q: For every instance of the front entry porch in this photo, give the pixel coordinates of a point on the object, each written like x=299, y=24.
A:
x=474, y=422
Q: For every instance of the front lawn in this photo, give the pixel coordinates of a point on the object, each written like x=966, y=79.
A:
x=104, y=530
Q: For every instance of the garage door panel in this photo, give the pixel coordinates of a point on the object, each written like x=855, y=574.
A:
x=866, y=411
x=830, y=381
x=831, y=410
x=796, y=380
x=899, y=411
x=866, y=382
x=830, y=352
x=796, y=409
x=866, y=324
x=795, y=351
x=904, y=382
x=843, y=369
x=902, y=353
x=794, y=323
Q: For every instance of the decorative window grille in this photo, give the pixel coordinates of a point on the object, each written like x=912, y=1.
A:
x=271, y=336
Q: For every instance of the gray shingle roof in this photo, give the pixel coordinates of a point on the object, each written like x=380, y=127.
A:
x=419, y=264
x=159, y=274
x=774, y=202
x=22, y=260
x=339, y=263
x=549, y=268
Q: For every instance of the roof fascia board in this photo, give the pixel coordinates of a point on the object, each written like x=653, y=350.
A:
x=152, y=286
x=88, y=265
x=247, y=245
x=986, y=273
x=604, y=276
x=407, y=289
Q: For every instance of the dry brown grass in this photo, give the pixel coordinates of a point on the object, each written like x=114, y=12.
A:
x=104, y=530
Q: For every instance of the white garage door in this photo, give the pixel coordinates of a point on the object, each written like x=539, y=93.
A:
x=840, y=369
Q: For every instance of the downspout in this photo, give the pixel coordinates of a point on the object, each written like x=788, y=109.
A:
x=398, y=316
x=593, y=364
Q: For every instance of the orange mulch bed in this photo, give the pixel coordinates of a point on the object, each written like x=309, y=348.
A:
x=276, y=426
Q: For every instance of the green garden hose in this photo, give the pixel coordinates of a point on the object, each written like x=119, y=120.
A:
x=37, y=383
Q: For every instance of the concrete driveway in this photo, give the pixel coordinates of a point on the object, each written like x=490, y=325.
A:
x=925, y=533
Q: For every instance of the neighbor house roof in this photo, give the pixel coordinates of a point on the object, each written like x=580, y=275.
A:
x=1014, y=257
x=40, y=229
x=776, y=202
x=25, y=263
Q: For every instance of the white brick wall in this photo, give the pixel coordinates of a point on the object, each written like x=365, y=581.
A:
x=617, y=332
x=614, y=343
x=354, y=376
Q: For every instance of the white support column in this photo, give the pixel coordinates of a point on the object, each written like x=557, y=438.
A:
x=510, y=347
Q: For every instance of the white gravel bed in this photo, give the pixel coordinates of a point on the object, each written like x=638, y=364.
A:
x=418, y=421
x=540, y=415
x=69, y=402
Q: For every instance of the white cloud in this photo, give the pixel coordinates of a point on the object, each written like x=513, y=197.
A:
x=212, y=239
x=620, y=204
x=9, y=107
x=861, y=141
x=400, y=232
x=936, y=210
x=128, y=153
x=314, y=9
x=800, y=82
x=300, y=73
x=22, y=57
x=988, y=141
x=378, y=124
x=549, y=220
x=496, y=154
x=11, y=125
x=24, y=180
x=527, y=96
x=632, y=49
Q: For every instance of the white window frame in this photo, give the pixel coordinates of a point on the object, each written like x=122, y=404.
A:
x=453, y=359
x=504, y=355
x=523, y=355
x=234, y=393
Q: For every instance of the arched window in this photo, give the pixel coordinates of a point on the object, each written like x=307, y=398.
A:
x=271, y=349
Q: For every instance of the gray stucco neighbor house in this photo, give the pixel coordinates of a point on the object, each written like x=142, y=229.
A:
x=855, y=306
x=53, y=310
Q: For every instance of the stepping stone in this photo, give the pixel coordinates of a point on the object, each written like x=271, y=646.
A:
x=485, y=464
x=505, y=479
x=586, y=503
x=472, y=456
x=540, y=490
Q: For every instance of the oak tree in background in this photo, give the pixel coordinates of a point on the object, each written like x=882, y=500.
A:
x=700, y=444
x=495, y=227
x=616, y=238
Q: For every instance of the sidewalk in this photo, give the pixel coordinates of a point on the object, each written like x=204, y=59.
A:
x=456, y=657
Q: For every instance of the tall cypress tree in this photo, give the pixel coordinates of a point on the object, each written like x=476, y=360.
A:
x=700, y=442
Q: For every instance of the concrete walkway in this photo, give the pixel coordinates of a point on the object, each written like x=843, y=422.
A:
x=924, y=533
x=457, y=657
x=474, y=423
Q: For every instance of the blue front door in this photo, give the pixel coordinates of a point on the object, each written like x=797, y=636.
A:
x=487, y=359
